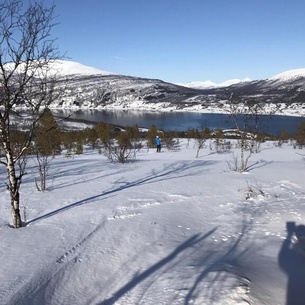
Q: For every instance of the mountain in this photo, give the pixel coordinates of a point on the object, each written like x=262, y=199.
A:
x=210, y=84
x=63, y=67
x=288, y=75
x=85, y=87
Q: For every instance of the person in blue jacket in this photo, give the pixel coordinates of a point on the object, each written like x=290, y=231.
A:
x=158, y=143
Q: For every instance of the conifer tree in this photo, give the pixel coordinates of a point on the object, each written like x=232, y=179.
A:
x=46, y=145
x=47, y=139
x=103, y=133
x=151, y=135
x=300, y=134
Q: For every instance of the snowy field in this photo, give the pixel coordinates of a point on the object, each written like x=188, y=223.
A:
x=168, y=228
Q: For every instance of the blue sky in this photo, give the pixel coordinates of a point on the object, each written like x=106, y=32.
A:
x=184, y=40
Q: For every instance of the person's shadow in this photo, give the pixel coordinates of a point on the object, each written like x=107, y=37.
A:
x=292, y=262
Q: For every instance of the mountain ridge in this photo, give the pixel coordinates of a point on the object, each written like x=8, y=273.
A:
x=65, y=67
x=101, y=90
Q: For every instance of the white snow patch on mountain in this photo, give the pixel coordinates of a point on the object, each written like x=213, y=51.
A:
x=65, y=67
x=289, y=74
x=209, y=84
x=60, y=67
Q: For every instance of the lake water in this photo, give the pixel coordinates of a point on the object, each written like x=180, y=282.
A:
x=180, y=121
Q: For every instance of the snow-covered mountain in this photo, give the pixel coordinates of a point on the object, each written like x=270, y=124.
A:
x=60, y=68
x=209, y=84
x=289, y=75
x=64, y=67
x=85, y=87
x=284, y=76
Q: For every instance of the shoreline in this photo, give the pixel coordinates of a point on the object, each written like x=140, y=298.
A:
x=289, y=112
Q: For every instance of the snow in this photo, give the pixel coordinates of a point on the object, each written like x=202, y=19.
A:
x=168, y=228
x=65, y=67
x=290, y=74
x=209, y=84
x=283, y=76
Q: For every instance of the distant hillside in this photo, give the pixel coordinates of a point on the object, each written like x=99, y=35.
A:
x=89, y=88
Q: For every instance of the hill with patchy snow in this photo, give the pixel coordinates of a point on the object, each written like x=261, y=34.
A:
x=85, y=87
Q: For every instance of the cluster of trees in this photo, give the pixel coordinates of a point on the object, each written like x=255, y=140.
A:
x=122, y=145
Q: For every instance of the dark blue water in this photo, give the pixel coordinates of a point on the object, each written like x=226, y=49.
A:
x=180, y=121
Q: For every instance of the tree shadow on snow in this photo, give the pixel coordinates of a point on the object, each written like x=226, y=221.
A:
x=224, y=261
x=292, y=261
x=258, y=164
x=191, y=242
x=80, y=173
x=194, y=260
x=170, y=171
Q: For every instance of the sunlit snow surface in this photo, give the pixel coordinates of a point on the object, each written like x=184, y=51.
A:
x=64, y=67
x=210, y=84
x=168, y=228
x=289, y=74
x=60, y=68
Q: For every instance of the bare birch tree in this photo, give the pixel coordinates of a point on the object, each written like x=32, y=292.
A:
x=26, y=52
x=248, y=117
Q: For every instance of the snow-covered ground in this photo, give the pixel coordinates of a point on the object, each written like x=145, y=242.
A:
x=168, y=228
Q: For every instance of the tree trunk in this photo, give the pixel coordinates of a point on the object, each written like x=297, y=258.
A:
x=14, y=191
x=27, y=45
x=242, y=155
x=17, y=223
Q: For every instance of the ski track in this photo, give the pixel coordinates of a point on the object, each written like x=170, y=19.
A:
x=261, y=218
x=19, y=282
x=236, y=289
x=36, y=287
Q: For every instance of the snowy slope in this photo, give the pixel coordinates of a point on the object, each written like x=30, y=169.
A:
x=209, y=84
x=83, y=87
x=168, y=228
x=284, y=76
x=64, y=67
x=289, y=75
x=125, y=92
